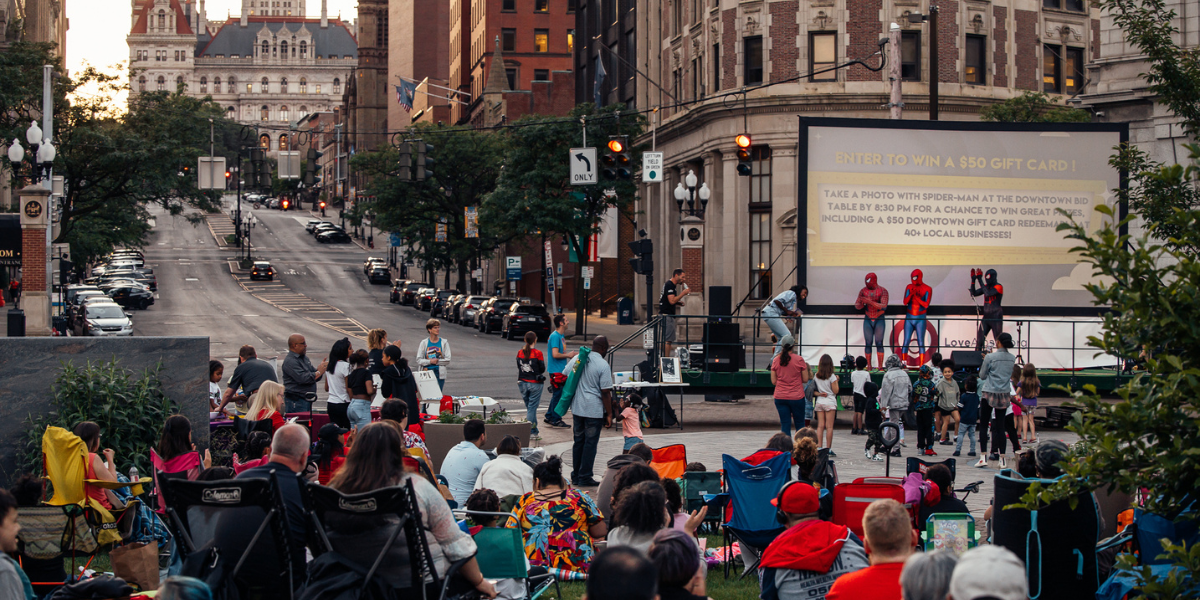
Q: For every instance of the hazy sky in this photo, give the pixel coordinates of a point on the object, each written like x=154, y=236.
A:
x=98, y=28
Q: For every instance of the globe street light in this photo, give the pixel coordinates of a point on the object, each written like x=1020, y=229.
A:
x=43, y=153
x=690, y=193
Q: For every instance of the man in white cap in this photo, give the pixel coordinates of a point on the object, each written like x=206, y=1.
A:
x=989, y=572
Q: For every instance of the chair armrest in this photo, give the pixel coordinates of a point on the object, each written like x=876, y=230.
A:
x=135, y=487
x=1115, y=540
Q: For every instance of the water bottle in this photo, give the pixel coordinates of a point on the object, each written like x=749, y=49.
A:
x=133, y=474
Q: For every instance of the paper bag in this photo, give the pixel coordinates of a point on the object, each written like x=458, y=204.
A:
x=137, y=564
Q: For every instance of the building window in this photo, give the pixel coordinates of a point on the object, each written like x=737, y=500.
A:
x=1075, y=5
x=512, y=78
x=283, y=85
x=265, y=114
x=232, y=84
x=179, y=83
x=283, y=50
x=318, y=88
x=976, y=65
x=283, y=141
x=910, y=56
x=303, y=85
x=203, y=84
x=249, y=88
x=822, y=55
x=162, y=83
x=1073, y=73
x=337, y=85
x=541, y=40
x=695, y=75
x=676, y=17
x=570, y=40
x=716, y=67
x=303, y=111
x=162, y=20
x=760, y=255
x=303, y=50
x=229, y=113
x=508, y=40
x=264, y=86
x=141, y=84
x=509, y=6
x=760, y=175
x=571, y=5
x=541, y=74
x=216, y=85
x=541, y=5
x=752, y=60
x=266, y=49
x=264, y=141
x=1052, y=69
x=283, y=116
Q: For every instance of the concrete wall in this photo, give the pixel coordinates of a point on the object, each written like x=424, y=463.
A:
x=31, y=366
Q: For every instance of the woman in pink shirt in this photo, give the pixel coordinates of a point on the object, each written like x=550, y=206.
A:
x=789, y=373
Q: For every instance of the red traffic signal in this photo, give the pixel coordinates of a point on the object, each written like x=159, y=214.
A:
x=284, y=204
x=742, y=140
x=322, y=204
x=615, y=145
x=227, y=174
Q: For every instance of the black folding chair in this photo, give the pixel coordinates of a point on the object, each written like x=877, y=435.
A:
x=227, y=522
x=243, y=427
x=367, y=528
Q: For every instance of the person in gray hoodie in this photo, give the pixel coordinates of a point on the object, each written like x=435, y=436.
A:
x=996, y=390
x=638, y=454
x=894, y=394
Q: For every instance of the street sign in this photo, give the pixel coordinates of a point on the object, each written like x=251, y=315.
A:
x=212, y=173
x=477, y=274
x=587, y=283
x=512, y=268
x=588, y=272
x=289, y=165
x=440, y=232
x=472, y=221
x=652, y=167
x=583, y=166
x=549, y=255
x=549, y=279
x=397, y=240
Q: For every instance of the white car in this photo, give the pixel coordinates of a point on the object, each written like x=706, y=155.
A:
x=312, y=224
x=106, y=319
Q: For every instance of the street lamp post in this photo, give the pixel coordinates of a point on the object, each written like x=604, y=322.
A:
x=933, y=56
x=43, y=153
x=690, y=193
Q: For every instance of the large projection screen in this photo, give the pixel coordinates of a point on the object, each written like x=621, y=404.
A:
x=891, y=196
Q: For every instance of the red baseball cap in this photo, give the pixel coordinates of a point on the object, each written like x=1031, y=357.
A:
x=799, y=499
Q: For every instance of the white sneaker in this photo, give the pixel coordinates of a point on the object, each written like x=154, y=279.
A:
x=982, y=463
x=868, y=454
x=877, y=457
x=1003, y=463
x=902, y=444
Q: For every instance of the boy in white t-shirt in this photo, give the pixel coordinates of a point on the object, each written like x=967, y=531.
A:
x=859, y=378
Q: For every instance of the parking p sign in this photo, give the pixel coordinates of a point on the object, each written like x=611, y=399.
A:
x=652, y=167
x=512, y=268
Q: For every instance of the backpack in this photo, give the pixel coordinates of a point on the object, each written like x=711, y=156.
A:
x=333, y=577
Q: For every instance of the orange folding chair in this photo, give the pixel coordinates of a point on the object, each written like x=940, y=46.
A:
x=670, y=462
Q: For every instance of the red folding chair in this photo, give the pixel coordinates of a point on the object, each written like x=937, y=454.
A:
x=670, y=462
x=850, y=500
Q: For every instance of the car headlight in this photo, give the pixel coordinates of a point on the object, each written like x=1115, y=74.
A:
x=128, y=325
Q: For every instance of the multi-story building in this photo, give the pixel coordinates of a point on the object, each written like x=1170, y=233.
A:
x=419, y=50
x=367, y=114
x=728, y=67
x=607, y=34
x=269, y=67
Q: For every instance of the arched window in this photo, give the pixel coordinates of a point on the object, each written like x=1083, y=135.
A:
x=283, y=143
x=337, y=85
x=179, y=82
x=266, y=49
x=283, y=85
x=283, y=50
x=203, y=84
x=162, y=83
x=232, y=84
x=162, y=19
x=303, y=50
x=142, y=84
x=265, y=112
x=232, y=114
x=303, y=85
x=217, y=85
x=265, y=85
x=283, y=113
x=303, y=110
x=265, y=140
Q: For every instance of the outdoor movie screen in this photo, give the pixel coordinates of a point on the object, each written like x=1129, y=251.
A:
x=891, y=196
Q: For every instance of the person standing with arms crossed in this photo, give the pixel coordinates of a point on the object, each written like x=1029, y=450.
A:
x=433, y=353
x=668, y=303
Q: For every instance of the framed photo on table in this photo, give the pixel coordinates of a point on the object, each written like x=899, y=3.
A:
x=669, y=370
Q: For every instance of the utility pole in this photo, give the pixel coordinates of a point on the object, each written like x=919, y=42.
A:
x=933, y=63
x=896, y=104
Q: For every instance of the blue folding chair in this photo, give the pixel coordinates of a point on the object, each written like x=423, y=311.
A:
x=752, y=488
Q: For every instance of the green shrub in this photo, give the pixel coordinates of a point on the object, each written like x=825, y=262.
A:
x=129, y=409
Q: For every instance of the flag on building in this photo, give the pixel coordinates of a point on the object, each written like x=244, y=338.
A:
x=597, y=89
x=405, y=92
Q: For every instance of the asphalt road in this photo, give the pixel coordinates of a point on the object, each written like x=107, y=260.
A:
x=320, y=292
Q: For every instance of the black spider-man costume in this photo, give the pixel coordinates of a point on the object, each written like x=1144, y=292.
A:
x=993, y=309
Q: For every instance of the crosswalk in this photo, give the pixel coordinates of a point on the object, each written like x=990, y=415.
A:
x=278, y=295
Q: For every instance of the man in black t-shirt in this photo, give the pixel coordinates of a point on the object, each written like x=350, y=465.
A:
x=672, y=298
x=250, y=373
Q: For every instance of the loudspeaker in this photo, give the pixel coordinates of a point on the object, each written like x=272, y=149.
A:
x=723, y=350
x=720, y=301
x=967, y=360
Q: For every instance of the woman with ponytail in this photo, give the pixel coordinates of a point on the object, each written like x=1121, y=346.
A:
x=789, y=373
x=531, y=374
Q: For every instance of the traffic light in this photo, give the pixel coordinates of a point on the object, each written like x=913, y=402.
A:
x=405, y=162
x=284, y=203
x=609, y=160
x=643, y=256
x=322, y=205
x=743, y=154
x=310, y=167
x=249, y=174
x=424, y=164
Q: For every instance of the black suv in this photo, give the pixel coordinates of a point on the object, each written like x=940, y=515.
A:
x=437, y=302
x=491, y=316
x=397, y=291
x=410, y=292
x=522, y=318
x=131, y=296
x=379, y=274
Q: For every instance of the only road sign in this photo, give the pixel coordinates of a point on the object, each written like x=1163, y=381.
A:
x=652, y=167
x=583, y=166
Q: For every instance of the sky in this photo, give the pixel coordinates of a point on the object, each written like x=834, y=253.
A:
x=98, y=28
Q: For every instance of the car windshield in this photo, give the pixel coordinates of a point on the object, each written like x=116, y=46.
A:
x=532, y=310
x=446, y=294
x=261, y=265
x=413, y=287
x=105, y=311
x=502, y=304
x=476, y=300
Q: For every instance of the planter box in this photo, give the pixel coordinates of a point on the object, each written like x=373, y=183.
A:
x=441, y=437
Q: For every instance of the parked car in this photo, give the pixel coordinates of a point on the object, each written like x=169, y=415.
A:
x=380, y=274
x=411, y=290
x=272, y=202
x=336, y=236
x=425, y=298
x=106, y=319
x=131, y=296
x=146, y=279
x=73, y=291
x=522, y=318
x=371, y=262
x=324, y=226
x=468, y=308
x=312, y=224
x=81, y=296
x=491, y=316
x=453, y=306
x=262, y=270
x=437, y=304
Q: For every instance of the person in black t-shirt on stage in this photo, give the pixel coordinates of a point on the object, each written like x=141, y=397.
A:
x=672, y=298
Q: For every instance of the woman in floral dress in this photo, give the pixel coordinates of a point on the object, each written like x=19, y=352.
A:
x=558, y=523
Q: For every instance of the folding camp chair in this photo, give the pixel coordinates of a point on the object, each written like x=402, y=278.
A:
x=501, y=555
x=752, y=488
x=48, y=533
x=916, y=465
x=850, y=500
x=364, y=529
x=1057, y=543
x=65, y=462
x=244, y=427
x=176, y=468
x=670, y=462
x=1146, y=533
x=949, y=531
x=238, y=529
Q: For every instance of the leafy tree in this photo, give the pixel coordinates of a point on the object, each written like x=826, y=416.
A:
x=534, y=193
x=21, y=94
x=1032, y=107
x=467, y=165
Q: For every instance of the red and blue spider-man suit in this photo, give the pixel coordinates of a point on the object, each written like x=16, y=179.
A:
x=916, y=297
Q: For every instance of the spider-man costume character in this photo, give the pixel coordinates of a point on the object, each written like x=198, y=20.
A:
x=993, y=309
x=873, y=299
x=916, y=297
